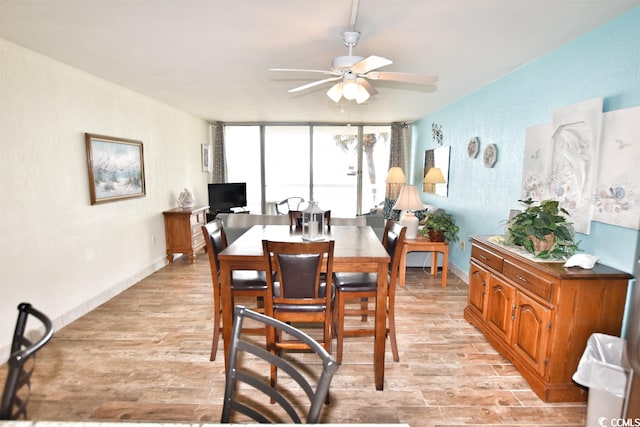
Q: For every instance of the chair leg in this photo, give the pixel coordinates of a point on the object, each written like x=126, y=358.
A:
x=328, y=330
x=273, y=336
x=216, y=334
x=340, y=300
x=364, y=306
x=392, y=331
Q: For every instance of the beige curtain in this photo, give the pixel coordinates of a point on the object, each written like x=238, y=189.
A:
x=219, y=173
x=398, y=157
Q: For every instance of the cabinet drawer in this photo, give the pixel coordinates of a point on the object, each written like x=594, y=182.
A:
x=528, y=280
x=197, y=240
x=196, y=231
x=487, y=258
x=198, y=218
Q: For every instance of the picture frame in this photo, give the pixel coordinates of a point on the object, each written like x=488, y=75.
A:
x=116, y=168
x=206, y=158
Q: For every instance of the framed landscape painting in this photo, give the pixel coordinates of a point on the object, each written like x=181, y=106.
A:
x=116, y=168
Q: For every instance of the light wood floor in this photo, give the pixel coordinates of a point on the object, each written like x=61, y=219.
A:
x=144, y=356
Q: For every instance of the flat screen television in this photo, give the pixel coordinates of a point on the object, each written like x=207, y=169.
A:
x=223, y=197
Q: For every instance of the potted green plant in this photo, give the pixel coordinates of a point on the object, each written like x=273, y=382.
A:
x=543, y=229
x=440, y=227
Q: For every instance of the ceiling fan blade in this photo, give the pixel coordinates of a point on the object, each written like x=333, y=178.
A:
x=370, y=63
x=368, y=86
x=402, y=77
x=313, y=84
x=305, y=70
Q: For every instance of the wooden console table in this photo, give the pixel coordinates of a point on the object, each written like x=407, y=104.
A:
x=421, y=244
x=183, y=231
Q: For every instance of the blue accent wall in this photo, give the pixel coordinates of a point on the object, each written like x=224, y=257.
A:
x=604, y=63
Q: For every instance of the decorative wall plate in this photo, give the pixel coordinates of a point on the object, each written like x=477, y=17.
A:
x=490, y=155
x=474, y=147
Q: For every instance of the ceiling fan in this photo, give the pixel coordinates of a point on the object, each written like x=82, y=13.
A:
x=352, y=74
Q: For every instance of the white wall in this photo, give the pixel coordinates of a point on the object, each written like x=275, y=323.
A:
x=57, y=251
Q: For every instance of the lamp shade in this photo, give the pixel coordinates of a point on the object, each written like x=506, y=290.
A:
x=335, y=93
x=395, y=176
x=408, y=200
x=362, y=94
x=349, y=88
x=434, y=176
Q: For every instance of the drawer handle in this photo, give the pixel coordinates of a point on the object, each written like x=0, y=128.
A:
x=519, y=277
x=484, y=257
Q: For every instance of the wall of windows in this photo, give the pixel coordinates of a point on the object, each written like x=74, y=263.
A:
x=341, y=167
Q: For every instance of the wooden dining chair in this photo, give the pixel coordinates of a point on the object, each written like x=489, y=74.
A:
x=249, y=283
x=296, y=291
x=295, y=219
x=363, y=286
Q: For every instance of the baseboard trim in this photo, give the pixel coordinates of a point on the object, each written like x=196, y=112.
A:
x=84, y=308
x=462, y=274
x=106, y=295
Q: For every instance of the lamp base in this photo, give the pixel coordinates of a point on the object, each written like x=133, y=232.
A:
x=410, y=221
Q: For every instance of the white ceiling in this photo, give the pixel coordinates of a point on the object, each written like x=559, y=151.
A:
x=211, y=57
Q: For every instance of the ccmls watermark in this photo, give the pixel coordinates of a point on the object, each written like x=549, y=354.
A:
x=618, y=422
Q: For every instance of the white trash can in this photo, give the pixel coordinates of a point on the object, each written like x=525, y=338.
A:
x=604, y=369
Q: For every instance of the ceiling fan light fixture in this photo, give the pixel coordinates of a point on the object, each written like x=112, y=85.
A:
x=362, y=94
x=335, y=93
x=350, y=89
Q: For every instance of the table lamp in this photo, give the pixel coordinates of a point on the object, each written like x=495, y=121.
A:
x=434, y=176
x=409, y=201
x=395, y=179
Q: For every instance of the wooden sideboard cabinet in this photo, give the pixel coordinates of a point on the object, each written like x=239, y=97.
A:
x=539, y=315
x=183, y=231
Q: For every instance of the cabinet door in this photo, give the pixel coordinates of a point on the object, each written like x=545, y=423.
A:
x=500, y=307
x=478, y=285
x=531, y=331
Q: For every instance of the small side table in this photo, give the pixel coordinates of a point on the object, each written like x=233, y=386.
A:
x=421, y=244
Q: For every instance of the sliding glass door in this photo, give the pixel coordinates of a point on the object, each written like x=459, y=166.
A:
x=286, y=163
x=341, y=167
x=243, y=153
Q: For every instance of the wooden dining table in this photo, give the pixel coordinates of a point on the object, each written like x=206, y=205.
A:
x=357, y=249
